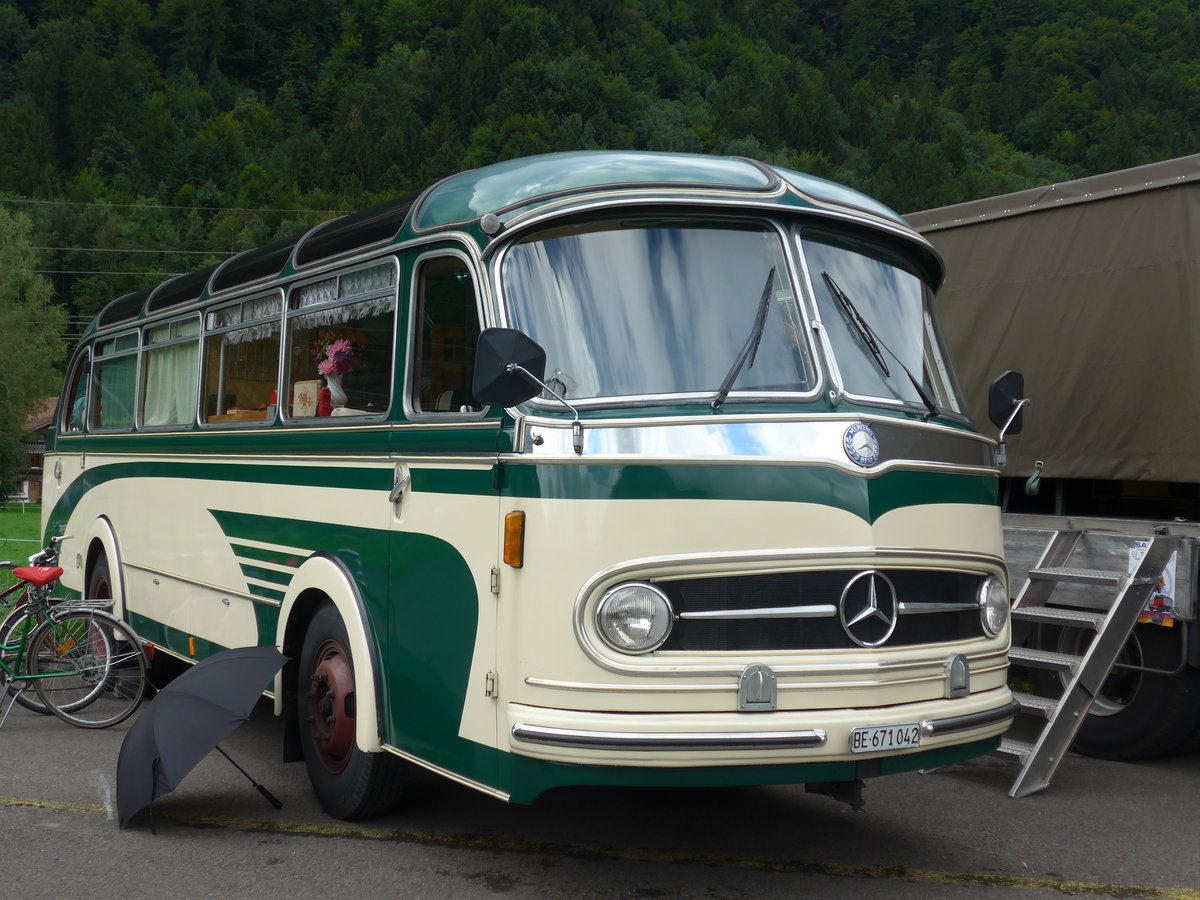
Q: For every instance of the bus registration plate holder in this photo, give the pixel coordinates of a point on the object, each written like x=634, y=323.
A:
x=873, y=738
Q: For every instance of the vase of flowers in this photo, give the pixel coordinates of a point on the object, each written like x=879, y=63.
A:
x=334, y=356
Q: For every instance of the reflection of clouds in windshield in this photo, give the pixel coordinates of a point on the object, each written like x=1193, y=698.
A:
x=889, y=299
x=647, y=311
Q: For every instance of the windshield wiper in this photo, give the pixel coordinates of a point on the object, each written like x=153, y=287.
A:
x=874, y=342
x=750, y=348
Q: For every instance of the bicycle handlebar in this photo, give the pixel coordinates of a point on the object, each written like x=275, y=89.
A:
x=48, y=555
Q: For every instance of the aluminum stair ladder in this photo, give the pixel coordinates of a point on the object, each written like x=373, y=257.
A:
x=1082, y=676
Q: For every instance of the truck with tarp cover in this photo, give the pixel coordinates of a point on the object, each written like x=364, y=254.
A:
x=1091, y=288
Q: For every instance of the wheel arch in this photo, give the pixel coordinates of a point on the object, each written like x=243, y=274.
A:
x=102, y=541
x=321, y=579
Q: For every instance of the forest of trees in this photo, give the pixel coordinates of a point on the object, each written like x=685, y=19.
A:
x=140, y=138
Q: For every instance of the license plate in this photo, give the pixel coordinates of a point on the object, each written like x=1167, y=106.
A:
x=874, y=738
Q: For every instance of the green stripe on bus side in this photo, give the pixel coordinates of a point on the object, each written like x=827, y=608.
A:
x=261, y=574
x=423, y=616
x=265, y=593
x=867, y=498
x=262, y=554
x=153, y=632
x=315, y=475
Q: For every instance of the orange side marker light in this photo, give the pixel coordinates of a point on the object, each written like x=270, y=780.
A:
x=514, y=539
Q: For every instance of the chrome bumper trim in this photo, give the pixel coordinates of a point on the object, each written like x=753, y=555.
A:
x=633, y=740
x=972, y=720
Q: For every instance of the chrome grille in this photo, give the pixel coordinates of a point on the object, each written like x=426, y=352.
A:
x=799, y=610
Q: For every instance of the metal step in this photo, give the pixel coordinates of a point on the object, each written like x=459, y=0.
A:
x=1035, y=704
x=1045, y=659
x=1014, y=749
x=1081, y=675
x=1069, y=575
x=1058, y=615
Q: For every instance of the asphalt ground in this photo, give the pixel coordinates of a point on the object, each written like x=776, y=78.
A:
x=1103, y=829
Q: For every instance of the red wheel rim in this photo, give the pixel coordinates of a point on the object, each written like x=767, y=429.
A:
x=331, y=706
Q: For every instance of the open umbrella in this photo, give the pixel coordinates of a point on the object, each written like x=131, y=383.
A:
x=187, y=719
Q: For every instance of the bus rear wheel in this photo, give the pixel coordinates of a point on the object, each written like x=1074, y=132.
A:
x=349, y=783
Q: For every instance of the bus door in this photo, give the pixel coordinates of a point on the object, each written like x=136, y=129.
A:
x=441, y=652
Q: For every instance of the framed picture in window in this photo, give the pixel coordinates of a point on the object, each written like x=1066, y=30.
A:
x=304, y=398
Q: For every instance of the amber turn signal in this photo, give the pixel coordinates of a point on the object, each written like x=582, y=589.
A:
x=514, y=538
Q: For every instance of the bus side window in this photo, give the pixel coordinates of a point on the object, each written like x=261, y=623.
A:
x=76, y=400
x=341, y=335
x=447, y=327
x=169, y=372
x=114, y=381
x=241, y=359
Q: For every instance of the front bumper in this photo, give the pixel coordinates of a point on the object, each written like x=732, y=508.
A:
x=706, y=739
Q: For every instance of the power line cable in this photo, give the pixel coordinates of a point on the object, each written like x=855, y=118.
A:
x=132, y=250
x=249, y=209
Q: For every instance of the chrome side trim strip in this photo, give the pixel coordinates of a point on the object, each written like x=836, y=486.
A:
x=446, y=773
x=209, y=586
x=918, y=608
x=972, y=720
x=633, y=740
x=819, y=611
x=816, y=611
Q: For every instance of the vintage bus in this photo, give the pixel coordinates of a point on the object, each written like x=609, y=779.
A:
x=596, y=468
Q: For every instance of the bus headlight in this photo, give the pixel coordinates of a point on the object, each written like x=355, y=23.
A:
x=993, y=606
x=634, y=618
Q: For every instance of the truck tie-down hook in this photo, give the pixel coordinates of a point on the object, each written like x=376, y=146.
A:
x=1034, y=481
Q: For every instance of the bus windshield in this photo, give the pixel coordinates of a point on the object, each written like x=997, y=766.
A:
x=660, y=309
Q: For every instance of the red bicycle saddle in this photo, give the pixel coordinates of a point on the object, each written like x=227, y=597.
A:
x=39, y=576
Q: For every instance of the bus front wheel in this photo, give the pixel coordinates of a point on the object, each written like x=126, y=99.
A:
x=349, y=783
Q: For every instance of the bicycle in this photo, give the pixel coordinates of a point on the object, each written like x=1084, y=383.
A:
x=85, y=665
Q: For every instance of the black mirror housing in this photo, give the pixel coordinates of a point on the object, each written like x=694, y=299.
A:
x=495, y=382
x=1006, y=393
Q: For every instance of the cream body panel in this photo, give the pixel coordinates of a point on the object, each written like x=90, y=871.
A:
x=545, y=663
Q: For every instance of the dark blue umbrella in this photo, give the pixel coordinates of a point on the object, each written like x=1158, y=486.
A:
x=186, y=720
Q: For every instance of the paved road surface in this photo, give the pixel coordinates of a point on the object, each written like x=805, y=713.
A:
x=1103, y=829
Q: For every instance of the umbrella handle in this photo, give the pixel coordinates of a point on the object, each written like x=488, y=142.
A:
x=271, y=798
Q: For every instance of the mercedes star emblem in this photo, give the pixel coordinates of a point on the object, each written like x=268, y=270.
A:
x=868, y=608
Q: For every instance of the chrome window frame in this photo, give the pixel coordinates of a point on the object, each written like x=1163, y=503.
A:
x=412, y=351
x=336, y=274
x=143, y=368
x=97, y=364
x=228, y=302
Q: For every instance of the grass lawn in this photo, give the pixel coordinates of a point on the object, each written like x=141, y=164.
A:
x=20, y=525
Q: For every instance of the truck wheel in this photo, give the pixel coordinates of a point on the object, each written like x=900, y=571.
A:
x=1139, y=715
x=349, y=783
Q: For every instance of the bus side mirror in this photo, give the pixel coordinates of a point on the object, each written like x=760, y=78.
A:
x=504, y=361
x=1006, y=402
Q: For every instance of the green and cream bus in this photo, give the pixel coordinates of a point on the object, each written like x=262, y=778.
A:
x=584, y=469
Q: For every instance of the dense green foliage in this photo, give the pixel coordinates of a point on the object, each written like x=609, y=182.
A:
x=31, y=323
x=166, y=134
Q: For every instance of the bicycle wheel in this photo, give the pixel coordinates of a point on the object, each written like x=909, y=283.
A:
x=10, y=634
x=89, y=668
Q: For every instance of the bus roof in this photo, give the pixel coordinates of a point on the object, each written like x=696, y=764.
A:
x=507, y=191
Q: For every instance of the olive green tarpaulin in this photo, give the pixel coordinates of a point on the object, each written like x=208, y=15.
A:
x=1091, y=288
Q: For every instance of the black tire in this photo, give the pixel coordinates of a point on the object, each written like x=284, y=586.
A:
x=1137, y=715
x=349, y=783
x=94, y=668
x=99, y=585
